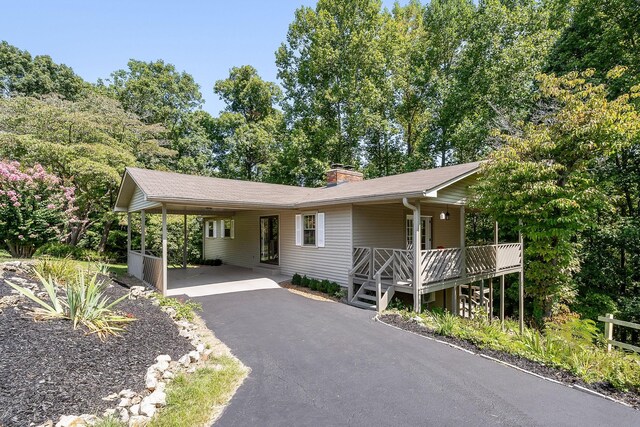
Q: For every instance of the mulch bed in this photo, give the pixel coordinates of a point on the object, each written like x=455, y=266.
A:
x=47, y=369
x=565, y=377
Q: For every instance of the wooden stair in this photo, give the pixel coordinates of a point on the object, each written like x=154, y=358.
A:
x=366, y=296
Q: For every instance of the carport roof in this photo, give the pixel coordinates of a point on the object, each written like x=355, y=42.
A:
x=180, y=189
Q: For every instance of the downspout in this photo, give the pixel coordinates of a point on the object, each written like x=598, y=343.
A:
x=416, y=252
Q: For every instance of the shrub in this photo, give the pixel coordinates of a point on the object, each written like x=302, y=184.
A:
x=62, y=270
x=85, y=304
x=34, y=208
x=296, y=279
x=185, y=310
x=324, y=286
x=305, y=281
x=62, y=250
x=313, y=284
x=445, y=323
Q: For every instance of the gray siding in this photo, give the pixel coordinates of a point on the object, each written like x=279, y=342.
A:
x=138, y=201
x=331, y=262
x=379, y=226
x=456, y=193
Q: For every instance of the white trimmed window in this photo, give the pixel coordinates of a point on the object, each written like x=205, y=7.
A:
x=310, y=230
x=224, y=229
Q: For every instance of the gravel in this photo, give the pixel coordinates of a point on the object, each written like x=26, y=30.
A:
x=560, y=375
x=48, y=369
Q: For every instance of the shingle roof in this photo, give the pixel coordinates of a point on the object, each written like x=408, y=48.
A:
x=173, y=187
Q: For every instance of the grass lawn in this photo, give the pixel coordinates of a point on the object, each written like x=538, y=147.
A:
x=194, y=399
x=117, y=269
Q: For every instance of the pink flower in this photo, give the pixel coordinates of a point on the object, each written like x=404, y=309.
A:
x=51, y=206
x=20, y=236
x=16, y=204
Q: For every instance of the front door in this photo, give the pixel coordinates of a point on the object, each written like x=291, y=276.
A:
x=269, y=232
x=425, y=232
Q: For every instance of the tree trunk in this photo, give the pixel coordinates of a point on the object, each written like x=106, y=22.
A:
x=18, y=250
x=105, y=236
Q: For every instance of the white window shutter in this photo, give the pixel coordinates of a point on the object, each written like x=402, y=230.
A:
x=233, y=228
x=215, y=228
x=222, y=229
x=320, y=230
x=298, y=230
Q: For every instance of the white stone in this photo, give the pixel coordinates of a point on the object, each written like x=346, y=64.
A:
x=170, y=311
x=139, y=421
x=127, y=393
x=124, y=402
x=194, y=356
x=200, y=348
x=47, y=423
x=163, y=358
x=168, y=375
x=70, y=421
x=151, y=382
x=108, y=412
x=161, y=386
x=136, y=399
x=148, y=409
x=161, y=366
x=157, y=398
x=124, y=415
x=135, y=409
x=90, y=419
x=185, y=360
x=111, y=397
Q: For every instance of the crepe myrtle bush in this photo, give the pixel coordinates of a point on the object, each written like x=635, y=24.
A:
x=34, y=208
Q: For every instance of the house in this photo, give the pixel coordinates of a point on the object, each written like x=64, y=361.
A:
x=401, y=234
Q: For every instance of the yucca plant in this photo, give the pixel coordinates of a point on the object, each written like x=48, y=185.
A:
x=62, y=270
x=52, y=310
x=85, y=303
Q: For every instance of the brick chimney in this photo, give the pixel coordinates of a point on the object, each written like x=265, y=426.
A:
x=339, y=174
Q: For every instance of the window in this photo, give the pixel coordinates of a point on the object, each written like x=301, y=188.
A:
x=211, y=229
x=227, y=228
x=223, y=228
x=309, y=230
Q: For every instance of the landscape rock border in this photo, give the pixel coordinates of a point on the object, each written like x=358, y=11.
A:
x=138, y=409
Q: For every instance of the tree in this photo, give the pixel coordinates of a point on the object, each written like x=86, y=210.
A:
x=22, y=74
x=158, y=94
x=330, y=68
x=543, y=176
x=245, y=135
x=86, y=143
x=34, y=206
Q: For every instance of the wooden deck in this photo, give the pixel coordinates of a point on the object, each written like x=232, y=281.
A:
x=378, y=273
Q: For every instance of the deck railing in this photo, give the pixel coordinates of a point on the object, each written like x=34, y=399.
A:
x=146, y=267
x=436, y=265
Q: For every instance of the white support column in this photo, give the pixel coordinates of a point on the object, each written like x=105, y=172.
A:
x=454, y=300
x=463, y=243
x=521, y=281
x=143, y=237
x=184, y=246
x=143, y=231
x=128, y=241
x=164, y=250
x=417, y=258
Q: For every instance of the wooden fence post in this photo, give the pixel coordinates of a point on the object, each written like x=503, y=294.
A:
x=608, y=332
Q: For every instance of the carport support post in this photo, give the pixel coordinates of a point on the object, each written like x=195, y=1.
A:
x=143, y=231
x=164, y=250
x=128, y=233
x=502, y=301
x=184, y=246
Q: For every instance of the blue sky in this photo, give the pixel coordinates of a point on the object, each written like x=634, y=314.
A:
x=204, y=38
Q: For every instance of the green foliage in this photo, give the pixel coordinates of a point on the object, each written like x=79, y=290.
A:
x=34, y=206
x=542, y=177
x=305, y=281
x=296, y=279
x=22, y=74
x=191, y=397
x=63, y=250
x=572, y=344
x=61, y=270
x=397, y=304
x=185, y=310
x=84, y=303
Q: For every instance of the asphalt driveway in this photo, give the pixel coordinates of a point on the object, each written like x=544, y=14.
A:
x=317, y=363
